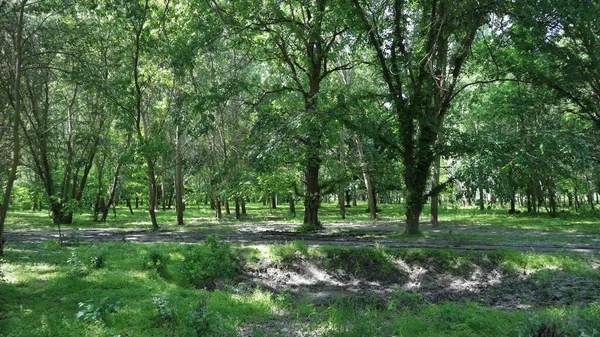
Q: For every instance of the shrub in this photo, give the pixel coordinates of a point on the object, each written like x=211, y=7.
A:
x=97, y=261
x=155, y=260
x=205, y=265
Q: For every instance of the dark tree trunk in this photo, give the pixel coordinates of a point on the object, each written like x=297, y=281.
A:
x=128, y=201
x=313, y=196
x=237, y=208
x=292, y=203
x=227, y=210
x=218, y=212
x=243, y=201
x=179, y=207
x=273, y=200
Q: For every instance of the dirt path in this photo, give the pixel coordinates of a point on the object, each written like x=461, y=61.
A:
x=356, y=234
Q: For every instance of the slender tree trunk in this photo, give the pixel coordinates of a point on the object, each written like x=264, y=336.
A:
x=179, y=176
x=243, y=206
x=435, y=198
x=111, y=193
x=163, y=191
x=128, y=201
x=273, y=200
x=341, y=191
x=227, y=210
x=366, y=178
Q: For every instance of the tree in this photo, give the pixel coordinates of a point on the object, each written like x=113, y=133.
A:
x=16, y=118
x=420, y=48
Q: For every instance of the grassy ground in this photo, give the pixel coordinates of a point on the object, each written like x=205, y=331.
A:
x=169, y=289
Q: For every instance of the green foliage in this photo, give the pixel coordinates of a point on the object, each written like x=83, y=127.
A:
x=77, y=268
x=206, y=265
x=97, y=261
x=155, y=260
x=288, y=253
x=97, y=310
x=166, y=315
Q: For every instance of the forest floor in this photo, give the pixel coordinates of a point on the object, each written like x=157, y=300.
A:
x=372, y=264
x=348, y=234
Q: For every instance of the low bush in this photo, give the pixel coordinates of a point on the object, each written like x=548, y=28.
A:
x=204, y=266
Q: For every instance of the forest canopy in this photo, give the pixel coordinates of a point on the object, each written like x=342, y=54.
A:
x=172, y=103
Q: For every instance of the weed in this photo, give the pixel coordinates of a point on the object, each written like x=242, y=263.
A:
x=290, y=252
x=156, y=261
x=96, y=310
x=76, y=266
x=97, y=261
x=205, y=265
x=206, y=322
x=166, y=312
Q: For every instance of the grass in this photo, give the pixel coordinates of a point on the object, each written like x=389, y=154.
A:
x=49, y=290
x=136, y=289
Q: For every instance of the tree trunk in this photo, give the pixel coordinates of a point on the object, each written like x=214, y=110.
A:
x=128, y=201
x=111, y=193
x=151, y=193
x=366, y=178
x=218, y=212
x=227, y=210
x=292, y=203
x=179, y=177
x=312, y=197
x=243, y=206
x=273, y=200
x=481, y=200
x=341, y=190
x=435, y=198
x=237, y=208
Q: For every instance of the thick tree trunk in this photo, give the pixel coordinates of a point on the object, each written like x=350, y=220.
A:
x=273, y=200
x=313, y=194
x=243, y=206
x=237, y=208
x=292, y=203
x=179, y=207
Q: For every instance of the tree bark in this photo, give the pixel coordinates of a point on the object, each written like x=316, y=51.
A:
x=179, y=207
x=312, y=196
x=435, y=198
x=342, y=187
x=366, y=179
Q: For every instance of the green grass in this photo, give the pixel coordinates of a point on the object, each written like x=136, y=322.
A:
x=52, y=290
x=49, y=290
